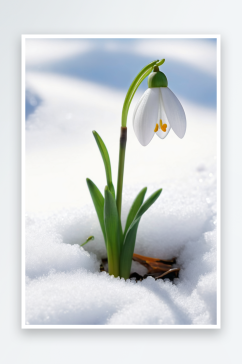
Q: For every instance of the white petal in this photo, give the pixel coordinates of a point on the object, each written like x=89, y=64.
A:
x=174, y=111
x=138, y=103
x=145, y=116
x=162, y=116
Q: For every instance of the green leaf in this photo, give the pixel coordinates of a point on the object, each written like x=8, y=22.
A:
x=134, y=208
x=88, y=239
x=106, y=161
x=98, y=201
x=146, y=205
x=130, y=237
x=128, y=250
x=112, y=226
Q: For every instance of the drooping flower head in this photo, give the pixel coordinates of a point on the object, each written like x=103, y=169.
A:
x=158, y=111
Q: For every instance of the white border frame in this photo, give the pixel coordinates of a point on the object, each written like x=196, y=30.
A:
x=150, y=36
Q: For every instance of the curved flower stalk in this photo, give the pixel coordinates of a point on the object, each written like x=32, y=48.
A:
x=157, y=111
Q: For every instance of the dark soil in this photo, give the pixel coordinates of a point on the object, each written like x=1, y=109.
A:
x=157, y=268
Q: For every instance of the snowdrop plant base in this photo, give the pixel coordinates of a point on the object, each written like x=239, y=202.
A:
x=157, y=112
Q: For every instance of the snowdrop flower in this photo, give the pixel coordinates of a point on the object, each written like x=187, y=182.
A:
x=158, y=111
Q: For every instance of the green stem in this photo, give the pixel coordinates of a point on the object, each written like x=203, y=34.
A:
x=123, y=138
x=133, y=88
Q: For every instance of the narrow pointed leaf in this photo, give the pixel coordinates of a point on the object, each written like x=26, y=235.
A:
x=88, y=239
x=128, y=250
x=106, y=161
x=130, y=237
x=98, y=201
x=146, y=205
x=135, y=208
x=112, y=227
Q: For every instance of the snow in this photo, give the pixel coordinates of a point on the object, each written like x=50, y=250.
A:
x=45, y=252
x=63, y=282
x=65, y=287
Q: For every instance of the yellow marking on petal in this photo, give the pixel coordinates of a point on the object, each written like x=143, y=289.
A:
x=163, y=126
x=156, y=128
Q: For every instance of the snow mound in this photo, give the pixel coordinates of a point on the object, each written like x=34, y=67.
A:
x=83, y=298
x=64, y=285
x=46, y=253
